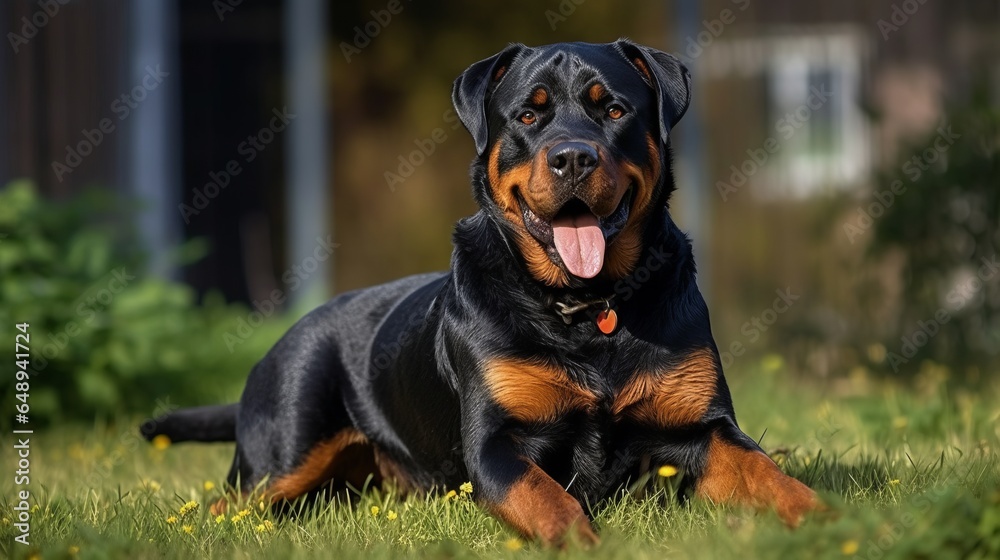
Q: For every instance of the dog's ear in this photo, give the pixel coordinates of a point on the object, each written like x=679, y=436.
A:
x=471, y=92
x=668, y=76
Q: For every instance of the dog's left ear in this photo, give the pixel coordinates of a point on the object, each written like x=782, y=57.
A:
x=471, y=90
x=668, y=76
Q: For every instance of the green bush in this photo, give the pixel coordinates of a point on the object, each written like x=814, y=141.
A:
x=945, y=222
x=106, y=338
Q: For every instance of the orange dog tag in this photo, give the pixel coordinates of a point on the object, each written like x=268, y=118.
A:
x=607, y=321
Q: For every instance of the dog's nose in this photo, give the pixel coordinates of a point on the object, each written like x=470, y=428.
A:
x=572, y=161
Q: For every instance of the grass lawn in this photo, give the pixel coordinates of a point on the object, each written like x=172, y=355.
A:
x=909, y=470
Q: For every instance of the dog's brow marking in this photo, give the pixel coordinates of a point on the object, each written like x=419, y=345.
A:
x=675, y=396
x=540, y=97
x=596, y=92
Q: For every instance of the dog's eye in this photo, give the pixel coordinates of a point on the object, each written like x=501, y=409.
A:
x=616, y=112
x=528, y=117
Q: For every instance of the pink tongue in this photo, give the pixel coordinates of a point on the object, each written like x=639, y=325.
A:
x=580, y=243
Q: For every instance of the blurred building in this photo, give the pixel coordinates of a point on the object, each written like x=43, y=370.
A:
x=799, y=102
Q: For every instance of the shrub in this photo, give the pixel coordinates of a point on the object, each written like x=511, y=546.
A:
x=945, y=223
x=105, y=337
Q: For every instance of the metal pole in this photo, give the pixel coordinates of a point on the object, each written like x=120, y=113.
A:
x=152, y=154
x=696, y=207
x=309, y=210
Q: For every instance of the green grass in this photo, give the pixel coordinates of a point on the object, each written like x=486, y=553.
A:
x=909, y=470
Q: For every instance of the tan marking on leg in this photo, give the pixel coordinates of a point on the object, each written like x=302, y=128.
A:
x=538, y=507
x=338, y=455
x=750, y=478
x=221, y=505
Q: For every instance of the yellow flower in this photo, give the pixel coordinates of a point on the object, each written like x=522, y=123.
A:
x=466, y=488
x=451, y=494
x=375, y=510
x=208, y=486
x=34, y=508
x=74, y=550
x=220, y=519
x=152, y=485
x=667, y=471
x=849, y=547
x=240, y=515
x=391, y=515
x=894, y=482
x=172, y=519
x=161, y=442
x=6, y=521
x=514, y=544
x=265, y=526
x=260, y=505
x=188, y=529
x=187, y=508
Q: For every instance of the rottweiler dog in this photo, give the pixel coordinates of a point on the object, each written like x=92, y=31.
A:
x=566, y=353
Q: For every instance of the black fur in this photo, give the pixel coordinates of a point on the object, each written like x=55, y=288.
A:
x=402, y=362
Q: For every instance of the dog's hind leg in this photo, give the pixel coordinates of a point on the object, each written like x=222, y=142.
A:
x=347, y=458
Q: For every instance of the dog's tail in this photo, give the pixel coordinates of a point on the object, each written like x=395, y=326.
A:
x=204, y=423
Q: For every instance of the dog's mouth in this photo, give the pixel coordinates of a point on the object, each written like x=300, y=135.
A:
x=576, y=236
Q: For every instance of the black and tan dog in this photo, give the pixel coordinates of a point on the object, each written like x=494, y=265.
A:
x=567, y=350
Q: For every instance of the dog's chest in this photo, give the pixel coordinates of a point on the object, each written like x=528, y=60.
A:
x=540, y=392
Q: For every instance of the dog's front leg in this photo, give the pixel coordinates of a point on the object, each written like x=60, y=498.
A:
x=737, y=471
x=521, y=494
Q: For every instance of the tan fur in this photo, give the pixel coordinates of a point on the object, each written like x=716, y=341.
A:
x=540, y=97
x=750, y=478
x=537, y=505
x=534, y=391
x=670, y=398
x=540, y=266
x=596, y=92
x=623, y=253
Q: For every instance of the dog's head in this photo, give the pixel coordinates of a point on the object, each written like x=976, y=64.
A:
x=573, y=141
